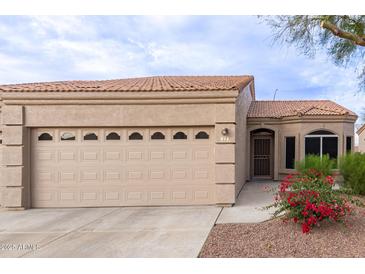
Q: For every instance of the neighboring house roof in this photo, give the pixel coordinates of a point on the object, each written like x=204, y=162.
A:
x=280, y=109
x=361, y=129
x=156, y=83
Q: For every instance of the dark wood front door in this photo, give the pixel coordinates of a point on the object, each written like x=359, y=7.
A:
x=262, y=157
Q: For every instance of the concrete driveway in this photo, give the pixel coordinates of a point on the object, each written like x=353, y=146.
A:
x=106, y=232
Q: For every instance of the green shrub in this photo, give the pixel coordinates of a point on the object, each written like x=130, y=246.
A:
x=352, y=168
x=322, y=165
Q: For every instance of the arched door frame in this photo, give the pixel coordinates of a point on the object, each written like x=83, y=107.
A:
x=275, y=151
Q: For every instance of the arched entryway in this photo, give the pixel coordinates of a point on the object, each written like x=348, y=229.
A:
x=262, y=154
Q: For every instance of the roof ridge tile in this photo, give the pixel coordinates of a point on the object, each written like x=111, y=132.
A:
x=150, y=83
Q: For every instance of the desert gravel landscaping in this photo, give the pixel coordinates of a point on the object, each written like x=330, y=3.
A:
x=275, y=238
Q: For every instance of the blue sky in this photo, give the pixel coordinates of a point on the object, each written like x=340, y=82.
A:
x=34, y=49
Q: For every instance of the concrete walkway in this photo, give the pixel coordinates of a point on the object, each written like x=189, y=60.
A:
x=248, y=209
x=106, y=232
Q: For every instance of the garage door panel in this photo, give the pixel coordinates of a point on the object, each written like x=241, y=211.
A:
x=135, y=175
x=158, y=174
x=113, y=155
x=67, y=156
x=201, y=174
x=90, y=176
x=135, y=155
x=113, y=196
x=45, y=196
x=122, y=172
x=136, y=197
x=158, y=155
x=181, y=174
x=44, y=155
x=181, y=154
x=202, y=154
x=47, y=176
x=68, y=196
x=90, y=155
x=113, y=176
x=68, y=177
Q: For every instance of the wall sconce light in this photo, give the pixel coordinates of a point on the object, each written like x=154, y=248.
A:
x=225, y=131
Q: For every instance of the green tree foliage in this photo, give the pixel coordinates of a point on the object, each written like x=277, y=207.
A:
x=342, y=36
x=322, y=165
x=352, y=168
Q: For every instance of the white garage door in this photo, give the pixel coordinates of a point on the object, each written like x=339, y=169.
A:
x=90, y=167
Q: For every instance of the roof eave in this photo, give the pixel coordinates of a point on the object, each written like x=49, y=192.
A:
x=307, y=118
x=360, y=130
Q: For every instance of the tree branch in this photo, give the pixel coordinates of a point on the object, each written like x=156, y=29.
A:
x=356, y=39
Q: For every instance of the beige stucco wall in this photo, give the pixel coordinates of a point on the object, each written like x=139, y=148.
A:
x=1, y=156
x=242, y=105
x=299, y=127
x=361, y=147
x=24, y=111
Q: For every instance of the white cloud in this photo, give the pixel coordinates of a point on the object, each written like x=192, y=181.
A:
x=62, y=25
x=12, y=69
x=45, y=48
x=105, y=58
x=191, y=57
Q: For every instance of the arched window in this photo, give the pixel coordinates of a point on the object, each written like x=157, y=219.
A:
x=90, y=136
x=157, y=136
x=68, y=136
x=322, y=142
x=113, y=136
x=135, y=136
x=45, y=137
x=202, y=135
x=180, y=136
x=321, y=132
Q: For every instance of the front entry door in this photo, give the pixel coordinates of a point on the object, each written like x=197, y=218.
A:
x=262, y=157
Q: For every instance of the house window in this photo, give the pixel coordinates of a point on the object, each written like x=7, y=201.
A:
x=289, y=152
x=135, y=136
x=90, y=137
x=348, y=144
x=313, y=146
x=113, y=136
x=322, y=142
x=202, y=135
x=180, y=136
x=157, y=136
x=68, y=136
x=45, y=137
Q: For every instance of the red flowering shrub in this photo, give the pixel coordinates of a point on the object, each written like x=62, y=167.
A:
x=309, y=199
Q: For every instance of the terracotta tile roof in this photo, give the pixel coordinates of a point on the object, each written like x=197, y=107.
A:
x=157, y=83
x=280, y=109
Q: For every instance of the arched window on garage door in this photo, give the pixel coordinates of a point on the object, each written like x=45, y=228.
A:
x=322, y=142
x=157, y=136
x=113, y=136
x=135, y=136
x=68, y=136
x=90, y=137
x=202, y=135
x=180, y=136
x=45, y=137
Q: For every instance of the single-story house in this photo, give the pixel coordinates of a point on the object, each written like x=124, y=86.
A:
x=361, y=133
x=151, y=141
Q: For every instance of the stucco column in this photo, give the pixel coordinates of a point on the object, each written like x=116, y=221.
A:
x=11, y=182
x=225, y=156
x=277, y=137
